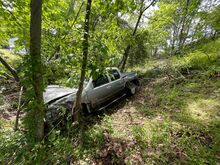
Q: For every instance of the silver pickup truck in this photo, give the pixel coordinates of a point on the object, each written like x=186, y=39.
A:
x=96, y=94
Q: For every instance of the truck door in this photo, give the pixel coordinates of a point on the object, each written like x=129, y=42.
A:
x=101, y=90
x=117, y=83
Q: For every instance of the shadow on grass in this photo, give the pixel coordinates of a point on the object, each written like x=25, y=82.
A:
x=192, y=110
x=180, y=115
x=183, y=117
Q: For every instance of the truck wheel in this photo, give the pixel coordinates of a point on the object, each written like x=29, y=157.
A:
x=130, y=89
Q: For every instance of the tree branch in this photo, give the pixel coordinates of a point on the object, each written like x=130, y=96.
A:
x=141, y=12
x=57, y=49
x=151, y=4
x=15, y=19
x=10, y=69
x=77, y=15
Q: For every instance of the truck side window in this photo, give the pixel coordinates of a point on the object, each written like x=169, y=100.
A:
x=114, y=75
x=101, y=80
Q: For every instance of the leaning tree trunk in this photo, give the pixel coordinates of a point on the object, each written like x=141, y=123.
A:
x=182, y=34
x=10, y=69
x=37, y=111
x=125, y=57
x=127, y=49
x=77, y=106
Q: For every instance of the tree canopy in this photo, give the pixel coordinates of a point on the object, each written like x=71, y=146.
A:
x=171, y=44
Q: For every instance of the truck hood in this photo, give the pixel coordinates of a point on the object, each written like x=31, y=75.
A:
x=54, y=92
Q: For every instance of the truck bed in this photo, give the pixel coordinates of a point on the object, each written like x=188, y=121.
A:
x=129, y=74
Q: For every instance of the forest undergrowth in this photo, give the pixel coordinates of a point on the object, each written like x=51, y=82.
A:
x=174, y=117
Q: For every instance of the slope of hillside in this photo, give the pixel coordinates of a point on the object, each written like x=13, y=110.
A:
x=173, y=119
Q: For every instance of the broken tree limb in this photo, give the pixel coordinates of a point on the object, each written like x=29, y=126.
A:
x=9, y=68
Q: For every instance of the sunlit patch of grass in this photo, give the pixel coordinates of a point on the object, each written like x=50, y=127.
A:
x=170, y=98
x=195, y=60
x=8, y=125
x=162, y=140
x=141, y=69
x=1, y=124
x=183, y=123
x=205, y=109
x=141, y=134
x=155, y=140
x=10, y=57
x=153, y=132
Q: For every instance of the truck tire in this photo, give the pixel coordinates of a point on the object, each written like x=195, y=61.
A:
x=130, y=88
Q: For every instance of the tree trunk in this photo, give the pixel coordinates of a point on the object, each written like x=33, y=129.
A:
x=10, y=69
x=126, y=52
x=183, y=35
x=174, y=38
x=141, y=11
x=36, y=70
x=125, y=55
x=77, y=106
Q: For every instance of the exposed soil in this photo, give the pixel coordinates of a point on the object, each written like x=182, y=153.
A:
x=9, y=93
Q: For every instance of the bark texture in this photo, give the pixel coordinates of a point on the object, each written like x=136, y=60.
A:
x=36, y=69
x=77, y=106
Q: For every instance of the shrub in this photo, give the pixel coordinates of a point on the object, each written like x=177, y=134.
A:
x=195, y=61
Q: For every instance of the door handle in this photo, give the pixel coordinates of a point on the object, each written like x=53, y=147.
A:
x=108, y=87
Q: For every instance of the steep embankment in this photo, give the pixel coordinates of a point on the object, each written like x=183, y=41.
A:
x=173, y=119
x=175, y=116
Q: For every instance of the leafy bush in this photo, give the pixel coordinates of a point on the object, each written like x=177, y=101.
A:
x=204, y=56
x=12, y=147
x=195, y=61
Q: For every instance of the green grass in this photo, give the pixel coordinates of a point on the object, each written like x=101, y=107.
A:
x=173, y=119
x=189, y=130
x=182, y=109
x=191, y=108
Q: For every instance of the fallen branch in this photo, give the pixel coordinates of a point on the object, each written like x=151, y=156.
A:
x=10, y=69
x=18, y=109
